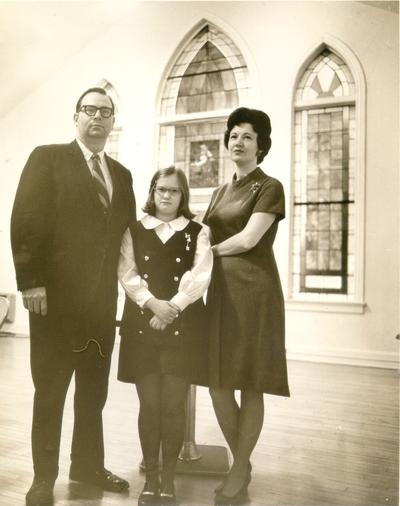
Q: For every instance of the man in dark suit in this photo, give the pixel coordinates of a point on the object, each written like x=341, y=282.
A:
x=70, y=212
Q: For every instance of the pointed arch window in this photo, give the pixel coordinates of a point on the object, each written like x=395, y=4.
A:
x=113, y=141
x=324, y=200
x=208, y=79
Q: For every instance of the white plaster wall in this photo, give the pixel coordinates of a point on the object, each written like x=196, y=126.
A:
x=275, y=38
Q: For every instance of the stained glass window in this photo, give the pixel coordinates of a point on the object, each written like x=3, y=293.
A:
x=207, y=81
x=209, y=74
x=112, y=145
x=323, y=213
x=196, y=147
x=326, y=77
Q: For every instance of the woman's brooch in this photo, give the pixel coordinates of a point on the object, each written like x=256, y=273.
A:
x=188, y=241
x=254, y=187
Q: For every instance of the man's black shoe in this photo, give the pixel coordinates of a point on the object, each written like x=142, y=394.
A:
x=103, y=479
x=40, y=493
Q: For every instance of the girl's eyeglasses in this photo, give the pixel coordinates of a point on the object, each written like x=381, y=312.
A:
x=162, y=190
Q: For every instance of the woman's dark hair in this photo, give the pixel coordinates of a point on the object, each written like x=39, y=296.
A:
x=150, y=207
x=260, y=123
x=102, y=91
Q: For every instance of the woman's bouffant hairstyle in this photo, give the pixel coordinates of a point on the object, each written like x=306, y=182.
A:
x=260, y=123
x=150, y=206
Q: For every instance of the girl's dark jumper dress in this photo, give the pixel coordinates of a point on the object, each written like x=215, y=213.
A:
x=180, y=349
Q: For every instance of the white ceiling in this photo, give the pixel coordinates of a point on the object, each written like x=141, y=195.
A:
x=37, y=38
x=392, y=6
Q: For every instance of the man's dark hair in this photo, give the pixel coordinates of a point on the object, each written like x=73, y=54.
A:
x=102, y=91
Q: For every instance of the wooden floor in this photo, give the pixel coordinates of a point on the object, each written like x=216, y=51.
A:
x=334, y=442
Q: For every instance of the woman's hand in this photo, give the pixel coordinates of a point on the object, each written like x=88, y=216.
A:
x=163, y=309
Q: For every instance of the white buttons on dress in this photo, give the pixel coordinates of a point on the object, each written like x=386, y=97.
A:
x=146, y=258
x=141, y=312
x=145, y=276
x=140, y=331
x=176, y=332
x=176, y=278
x=178, y=260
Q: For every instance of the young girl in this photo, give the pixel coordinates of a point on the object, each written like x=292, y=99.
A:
x=164, y=270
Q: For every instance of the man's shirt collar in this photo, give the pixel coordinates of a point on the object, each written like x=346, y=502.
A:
x=87, y=153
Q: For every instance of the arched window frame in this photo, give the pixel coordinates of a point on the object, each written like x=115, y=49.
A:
x=333, y=302
x=245, y=88
x=113, y=141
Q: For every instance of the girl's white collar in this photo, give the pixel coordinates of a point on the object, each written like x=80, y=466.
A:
x=150, y=222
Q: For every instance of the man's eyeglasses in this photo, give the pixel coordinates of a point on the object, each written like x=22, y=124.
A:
x=162, y=190
x=91, y=110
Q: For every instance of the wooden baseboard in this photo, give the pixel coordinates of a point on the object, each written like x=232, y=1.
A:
x=370, y=358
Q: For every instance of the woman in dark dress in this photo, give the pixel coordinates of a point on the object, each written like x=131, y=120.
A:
x=165, y=271
x=245, y=301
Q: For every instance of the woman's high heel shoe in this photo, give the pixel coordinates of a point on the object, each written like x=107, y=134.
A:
x=219, y=487
x=239, y=498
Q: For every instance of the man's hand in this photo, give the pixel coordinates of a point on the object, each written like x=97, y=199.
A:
x=163, y=309
x=35, y=300
x=157, y=324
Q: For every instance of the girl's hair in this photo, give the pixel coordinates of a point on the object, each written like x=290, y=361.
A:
x=260, y=123
x=150, y=207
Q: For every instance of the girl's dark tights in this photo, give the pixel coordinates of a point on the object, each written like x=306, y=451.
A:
x=161, y=422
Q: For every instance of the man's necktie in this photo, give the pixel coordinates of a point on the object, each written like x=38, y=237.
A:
x=100, y=182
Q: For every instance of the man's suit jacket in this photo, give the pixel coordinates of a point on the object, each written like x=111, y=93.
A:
x=61, y=238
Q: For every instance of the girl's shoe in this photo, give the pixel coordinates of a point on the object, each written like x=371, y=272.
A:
x=150, y=494
x=167, y=496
